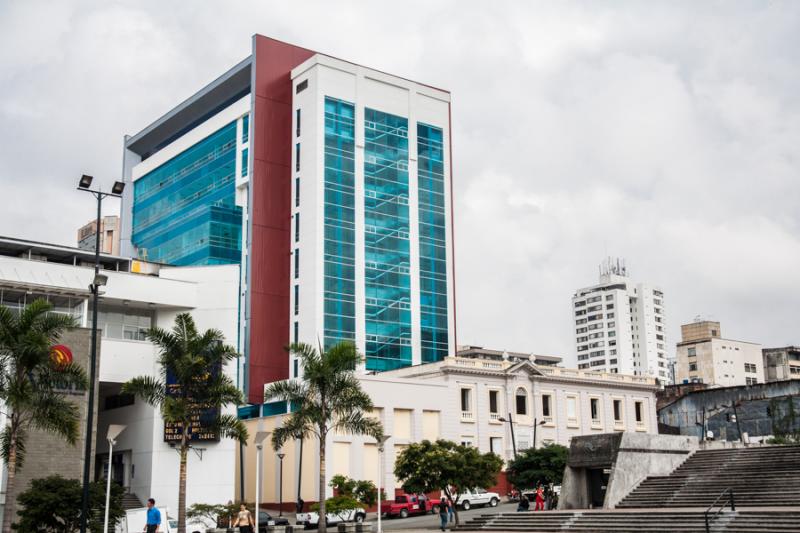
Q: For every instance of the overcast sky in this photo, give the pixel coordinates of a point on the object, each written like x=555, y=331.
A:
x=665, y=133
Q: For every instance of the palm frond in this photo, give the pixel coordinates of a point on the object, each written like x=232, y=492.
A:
x=150, y=389
x=293, y=426
x=230, y=426
x=287, y=391
x=53, y=413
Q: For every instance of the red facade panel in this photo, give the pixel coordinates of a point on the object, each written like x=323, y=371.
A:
x=270, y=238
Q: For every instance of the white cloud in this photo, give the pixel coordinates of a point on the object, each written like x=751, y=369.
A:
x=663, y=132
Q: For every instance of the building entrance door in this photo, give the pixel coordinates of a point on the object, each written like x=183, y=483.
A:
x=598, y=482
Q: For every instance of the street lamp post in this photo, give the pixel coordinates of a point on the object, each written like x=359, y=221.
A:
x=536, y=423
x=261, y=436
x=381, y=444
x=281, y=455
x=511, y=425
x=298, y=504
x=98, y=281
x=113, y=432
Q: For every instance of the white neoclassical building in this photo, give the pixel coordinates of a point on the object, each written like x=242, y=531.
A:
x=467, y=399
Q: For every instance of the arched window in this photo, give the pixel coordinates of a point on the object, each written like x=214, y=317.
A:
x=522, y=401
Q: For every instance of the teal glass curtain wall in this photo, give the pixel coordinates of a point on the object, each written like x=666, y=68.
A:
x=386, y=241
x=340, y=233
x=432, y=244
x=184, y=211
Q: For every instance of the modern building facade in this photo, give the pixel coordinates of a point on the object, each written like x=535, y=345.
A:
x=781, y=363
x=330, y=183
x=137, y=296
x=109, y=235
x=703, y=355
x=620, y=326
x=463, y=399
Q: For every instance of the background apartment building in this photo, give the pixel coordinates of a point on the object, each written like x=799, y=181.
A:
x=109, y=235
x=781, y=363
x=704, y=356
x=329, y=183
x=620, y=326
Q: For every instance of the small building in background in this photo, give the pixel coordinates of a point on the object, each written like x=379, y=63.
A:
x=109, y=235
x=726, y=413
x=781, y=363
x=704, y=356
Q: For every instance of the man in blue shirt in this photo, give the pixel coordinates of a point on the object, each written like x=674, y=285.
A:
x=153, y=517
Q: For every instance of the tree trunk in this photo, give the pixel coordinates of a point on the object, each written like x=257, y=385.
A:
x=10, y=506
x=182, y=489
x=322, y=523
x=454, y=502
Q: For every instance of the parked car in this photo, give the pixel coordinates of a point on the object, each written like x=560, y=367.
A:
x=311, y=520
x=409, y=504
x=265, y=519
x=477, y=496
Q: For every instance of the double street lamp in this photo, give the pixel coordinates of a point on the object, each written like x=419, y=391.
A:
x=98, y=281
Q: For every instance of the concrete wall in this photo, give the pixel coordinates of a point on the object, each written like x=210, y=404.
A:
x=640, y=456
x=631, y=457
x=752, y=401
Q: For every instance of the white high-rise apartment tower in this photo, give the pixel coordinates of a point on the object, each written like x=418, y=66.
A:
x=620, y=326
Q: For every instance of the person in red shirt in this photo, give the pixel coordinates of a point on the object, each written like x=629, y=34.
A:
x=539, y=498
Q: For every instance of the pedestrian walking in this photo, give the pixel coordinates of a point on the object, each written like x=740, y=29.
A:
x=451, y=510
x=444, y=506
x=244, y=520
x=539, y=499
x=153, y=517
x=524, y=504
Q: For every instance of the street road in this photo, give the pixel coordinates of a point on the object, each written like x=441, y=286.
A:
x=431, y=521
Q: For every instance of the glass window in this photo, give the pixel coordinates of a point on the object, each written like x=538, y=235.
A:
x=296, y=299
x=296, y=263
x=124, y=322
x=297, y=157
x=296, y=332
x=297, y=117
x=617, y=410
x=493, y=407
x=297, y=191
x=594, y=405
x=245, y=128
x=185, y=212
x=639, y=410
x=339, y=222
x=522, y=401
x=296, y=367
x=466, y=404
x=546, y=405
x=297, y=227
x=245, y=162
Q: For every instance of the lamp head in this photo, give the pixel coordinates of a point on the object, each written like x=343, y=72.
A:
x=502, y=419
x=85, y=182
x=100, y=280
x=281, y=456
x=118, y=187
x=114, y=430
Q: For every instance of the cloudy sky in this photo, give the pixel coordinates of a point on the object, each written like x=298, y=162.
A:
x=665, y=133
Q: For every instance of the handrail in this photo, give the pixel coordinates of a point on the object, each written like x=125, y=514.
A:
x=729, y=492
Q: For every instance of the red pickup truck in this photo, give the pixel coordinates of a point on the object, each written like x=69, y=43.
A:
x=409, y=504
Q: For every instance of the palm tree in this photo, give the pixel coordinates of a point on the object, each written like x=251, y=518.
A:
x=328, y=397
x=32, y=384
x=191, y=380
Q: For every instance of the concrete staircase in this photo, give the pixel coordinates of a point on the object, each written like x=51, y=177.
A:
x=765, y=481
x=130, y=501
x=759, y=476
x=638, y=521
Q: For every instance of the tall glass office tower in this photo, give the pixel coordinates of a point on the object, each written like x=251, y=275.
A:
x=329, y=183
